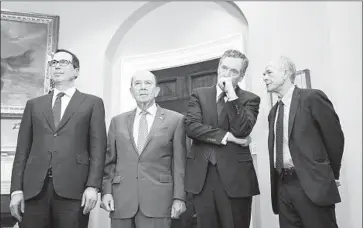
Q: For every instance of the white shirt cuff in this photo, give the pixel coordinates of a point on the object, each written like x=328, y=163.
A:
x=232, y=98
x=16, y=192
x=224, y=140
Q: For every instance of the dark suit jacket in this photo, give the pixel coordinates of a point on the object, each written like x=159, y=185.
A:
x=76, y=148
x=316, y=143
x=207, y=130
x=149, y=181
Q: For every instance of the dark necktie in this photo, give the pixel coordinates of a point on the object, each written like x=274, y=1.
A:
x=280, y=136
x=220, y=103
x=57, y=107
x=143, y=131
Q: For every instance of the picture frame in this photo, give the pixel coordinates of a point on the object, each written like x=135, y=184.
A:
x=28, y=41
x=302, y=80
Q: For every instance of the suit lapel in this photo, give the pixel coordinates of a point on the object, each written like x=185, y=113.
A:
x=212, y=100
x=159, y=118
x=130, y=127
x=293, y=108
x=72, y=107
x=48, y=113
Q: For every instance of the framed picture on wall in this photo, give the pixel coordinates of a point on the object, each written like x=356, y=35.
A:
x=27, y=43
x=302, y=80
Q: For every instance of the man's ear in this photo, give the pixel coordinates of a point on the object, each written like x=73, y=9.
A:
x=77, y=73
x=157, y=91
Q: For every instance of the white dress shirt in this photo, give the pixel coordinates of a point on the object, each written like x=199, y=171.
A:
x=286, y=100
x=65, y=99
x=150, y=116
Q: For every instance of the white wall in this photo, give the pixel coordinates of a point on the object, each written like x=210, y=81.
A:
x=322, y=36
x=179, y=24
x=325, y=37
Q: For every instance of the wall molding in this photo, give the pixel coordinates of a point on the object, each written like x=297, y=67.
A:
x=186, y=55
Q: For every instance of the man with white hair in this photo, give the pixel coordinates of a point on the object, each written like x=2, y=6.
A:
x=143, y=184
x=306, y=146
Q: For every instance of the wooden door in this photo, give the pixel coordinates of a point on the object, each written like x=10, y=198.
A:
x=176, y=85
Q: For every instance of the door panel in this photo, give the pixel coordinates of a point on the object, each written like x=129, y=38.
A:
x=176, y=85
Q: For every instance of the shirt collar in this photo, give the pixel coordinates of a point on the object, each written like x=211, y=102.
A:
x=68, y=92
x=286, y=99
x=151, y=110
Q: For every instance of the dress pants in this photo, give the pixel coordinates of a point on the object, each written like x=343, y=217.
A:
x=296, y=210
x=141, y=221
x=215, y=209
x=49, y=210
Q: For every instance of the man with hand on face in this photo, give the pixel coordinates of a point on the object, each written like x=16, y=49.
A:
x=60, y=153
x=219, y=169
x=306, y=146
x=143, y=183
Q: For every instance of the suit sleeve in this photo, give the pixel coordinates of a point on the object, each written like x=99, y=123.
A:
x=328, y=121
x=24, y=143
x=110, y=161
x=97, y=145
x=179, y=153
x=242, y=118
x=196, y=129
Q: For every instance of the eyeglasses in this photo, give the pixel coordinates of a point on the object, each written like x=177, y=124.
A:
x=62, y=62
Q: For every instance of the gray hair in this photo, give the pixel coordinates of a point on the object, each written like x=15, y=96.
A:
x=233, y=53
x=288, y=65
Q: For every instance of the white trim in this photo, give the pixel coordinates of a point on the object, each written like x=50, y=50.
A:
x=126, y=66
x=187, y=55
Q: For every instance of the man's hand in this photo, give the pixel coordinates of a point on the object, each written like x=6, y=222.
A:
x=89, y=199
x=226, y=86
x=107, y=202
x=243, y=141
x=17, y=206
x=177, y=208
x=240, y=141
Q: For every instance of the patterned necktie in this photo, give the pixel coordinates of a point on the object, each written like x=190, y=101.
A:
x=57, y=109
x=220, y=102
x=143, y=131
x=280, y=136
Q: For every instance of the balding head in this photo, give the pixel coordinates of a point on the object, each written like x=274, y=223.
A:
x=279, y=75
x=285, y=64
x=143, y=74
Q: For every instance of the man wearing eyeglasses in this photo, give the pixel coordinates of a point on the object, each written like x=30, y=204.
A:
x=60, y=153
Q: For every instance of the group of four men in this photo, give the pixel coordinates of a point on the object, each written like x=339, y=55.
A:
x=143, y=169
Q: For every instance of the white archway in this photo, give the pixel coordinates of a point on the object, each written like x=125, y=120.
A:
x=116, y=92
x=112, y=64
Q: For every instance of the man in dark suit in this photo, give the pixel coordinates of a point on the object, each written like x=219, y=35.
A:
x=306, y=145
x=219, y=169
x=143, y=182
x=60, y=153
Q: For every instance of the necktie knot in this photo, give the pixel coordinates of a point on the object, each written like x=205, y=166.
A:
x=144, y=112
x=280, y=103
x=221, y=96
x=60, y=95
